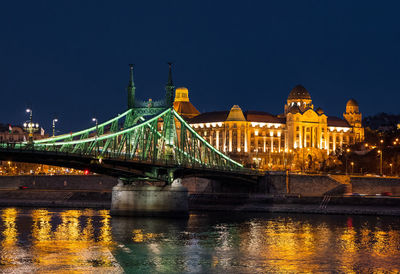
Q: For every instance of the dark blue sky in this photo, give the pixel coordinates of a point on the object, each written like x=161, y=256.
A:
x=69, y=59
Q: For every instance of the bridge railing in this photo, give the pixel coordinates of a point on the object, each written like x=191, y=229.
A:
x=137, y=160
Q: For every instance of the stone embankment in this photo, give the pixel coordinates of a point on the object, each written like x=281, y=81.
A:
x=286, y=204
x=306, y=194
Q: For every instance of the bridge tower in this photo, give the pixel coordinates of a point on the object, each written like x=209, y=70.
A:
x=131, y=89
x=169, y=88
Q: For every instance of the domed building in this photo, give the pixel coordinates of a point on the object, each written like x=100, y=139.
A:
x=354, y=118
x=182, y=104
x=270, y=141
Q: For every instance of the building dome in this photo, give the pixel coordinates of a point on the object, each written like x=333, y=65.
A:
x=320, y=111
x=352, y=103
x=299, y=92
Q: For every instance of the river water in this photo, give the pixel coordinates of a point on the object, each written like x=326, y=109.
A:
x=81, y=241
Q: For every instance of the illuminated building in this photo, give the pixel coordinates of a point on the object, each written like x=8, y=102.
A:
x=298, y=137
x=16, y=134
x=182, y=104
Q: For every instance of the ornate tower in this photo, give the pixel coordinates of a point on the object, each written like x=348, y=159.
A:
x=354, y=118
x=182, y=105
x=131, y=89
x=300, y=98
x=169, y=88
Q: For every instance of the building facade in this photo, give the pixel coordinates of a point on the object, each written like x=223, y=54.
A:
x=300, y=138
x=16, y=134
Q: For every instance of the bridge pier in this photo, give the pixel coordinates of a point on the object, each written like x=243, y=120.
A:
x=167, y=201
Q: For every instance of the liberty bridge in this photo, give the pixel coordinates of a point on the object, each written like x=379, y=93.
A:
x=148, y=142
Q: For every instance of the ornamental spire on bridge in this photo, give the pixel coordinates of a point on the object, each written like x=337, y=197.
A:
x=131, y=89
x=169, y=88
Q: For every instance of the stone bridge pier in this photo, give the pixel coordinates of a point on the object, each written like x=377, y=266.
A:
x=135, y=199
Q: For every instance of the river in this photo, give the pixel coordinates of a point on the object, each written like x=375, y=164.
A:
x=53, y=240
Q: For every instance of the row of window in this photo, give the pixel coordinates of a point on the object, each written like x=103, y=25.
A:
x=308, y=129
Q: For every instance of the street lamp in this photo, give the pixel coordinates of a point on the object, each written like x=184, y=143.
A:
x=95, y=120
x=347, y=151
x=391, y=169
x=30, y=126
x=352, y=167
x=54, y=126
x=381, y=156
x=381, y=160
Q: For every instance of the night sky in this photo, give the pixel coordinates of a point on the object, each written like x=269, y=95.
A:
x=69, y=59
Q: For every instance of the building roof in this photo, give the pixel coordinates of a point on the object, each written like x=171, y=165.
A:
x=235, y=114
x=262, y=117
x=209, y=117
x=337, y=122
x=299, y=92
x=250, y=115
x=352, y=103
x=319, y=111
x=185, y=109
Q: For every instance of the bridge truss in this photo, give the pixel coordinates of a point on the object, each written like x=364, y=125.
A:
x=165, y=139
x=150, y=136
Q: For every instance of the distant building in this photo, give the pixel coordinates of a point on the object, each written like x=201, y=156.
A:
x=299, y=138
x=16, y=134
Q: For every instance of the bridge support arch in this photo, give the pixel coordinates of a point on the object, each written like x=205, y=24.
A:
x=129, y=199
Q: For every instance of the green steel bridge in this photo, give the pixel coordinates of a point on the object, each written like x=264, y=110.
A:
x=150, y=141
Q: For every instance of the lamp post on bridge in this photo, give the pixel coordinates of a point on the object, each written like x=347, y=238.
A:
x=97, y=133
x=95, y=120
x=54, y=126
x=30, y=127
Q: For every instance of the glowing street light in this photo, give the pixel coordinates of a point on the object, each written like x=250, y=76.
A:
x=381, y=161
x=30, y=126
x=54, y=126
x=347, y=152
x=391, y=168
x=352, y=167
x=95, y=120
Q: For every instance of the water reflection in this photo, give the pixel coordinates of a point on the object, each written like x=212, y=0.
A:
x=9, y=233
x=43, y=240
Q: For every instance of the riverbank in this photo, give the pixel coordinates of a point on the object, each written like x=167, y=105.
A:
x=55, y=198
x=35, y=198
x=305, y=209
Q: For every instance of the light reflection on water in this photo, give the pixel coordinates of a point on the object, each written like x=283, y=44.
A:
x=48, y=240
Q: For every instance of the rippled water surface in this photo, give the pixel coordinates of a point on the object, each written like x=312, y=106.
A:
x=48, y=240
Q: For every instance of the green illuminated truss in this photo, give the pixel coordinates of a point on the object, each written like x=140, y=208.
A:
x=148, y=132
x=165, y=137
